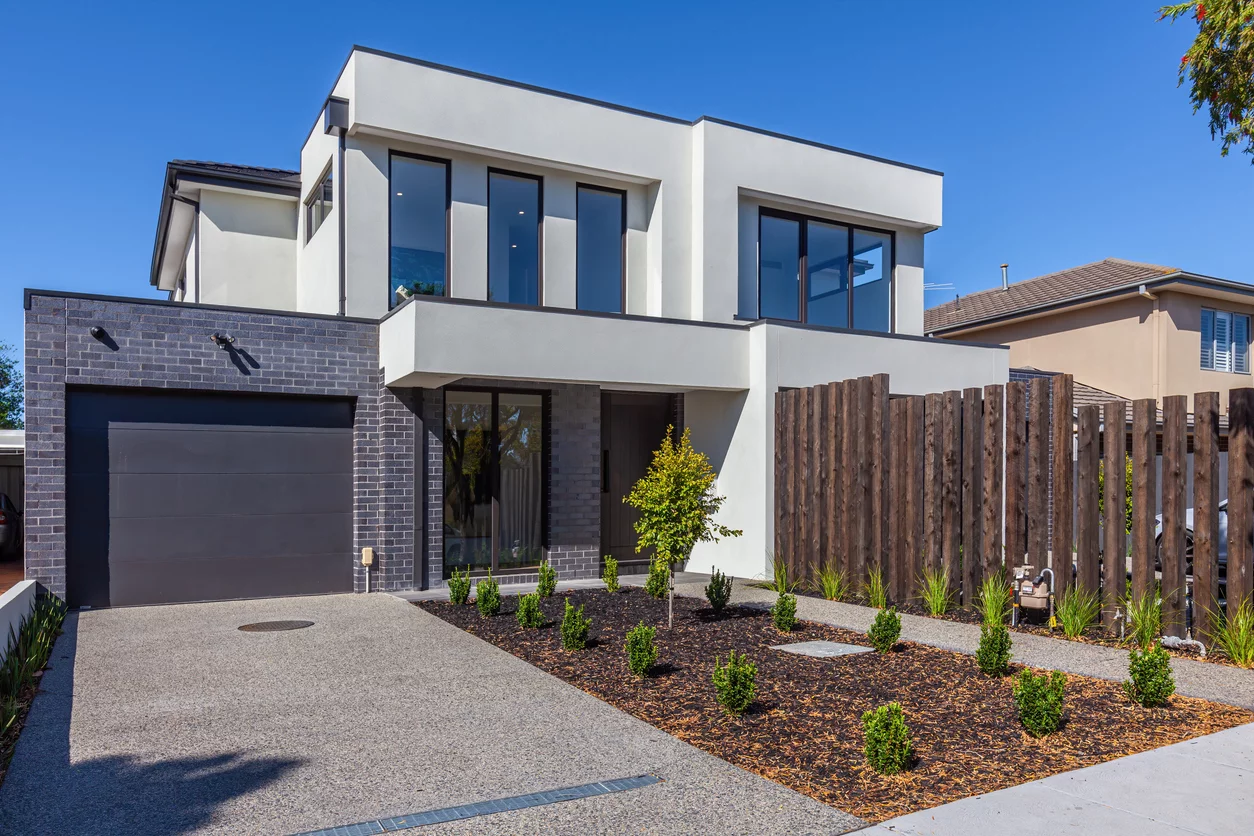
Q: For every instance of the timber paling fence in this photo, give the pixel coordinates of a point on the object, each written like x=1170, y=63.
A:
x=960, y=483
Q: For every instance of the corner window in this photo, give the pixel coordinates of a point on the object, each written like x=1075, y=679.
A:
x=319, y=204
x=1225, y=341
x=417, y=227
x=814, y=271
x=514, y=207
x=601, y=230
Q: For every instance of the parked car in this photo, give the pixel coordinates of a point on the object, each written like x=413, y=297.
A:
x=10, y=527
x=1188, y=541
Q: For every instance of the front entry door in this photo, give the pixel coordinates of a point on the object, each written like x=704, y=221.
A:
x=633, y=425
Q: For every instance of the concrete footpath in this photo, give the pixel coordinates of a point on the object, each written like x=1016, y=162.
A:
x=1200, y=786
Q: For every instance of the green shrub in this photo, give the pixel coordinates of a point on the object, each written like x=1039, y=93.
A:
x=784, y=613
x=1233, y=632
x=488, y=596
x=1151, y=682
x=876, y=592
x=888, y=748
x=1145, y=618
x=459, y=587
x=935, y=592
x=718, y=591
x=610, y=574
x=658, y=580
x=27, y=653
x=886, y=630
x=994, y=599
x=529, y=614
x=735, y=683
x=832, y=583
x=641, y=651
x=778, y=581
x=575, y=628
x=993, y=654
x=1077, y=609
x=1039, y=699
x=548, y=580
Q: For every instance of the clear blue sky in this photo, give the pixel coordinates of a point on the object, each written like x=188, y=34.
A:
x=1059, y=127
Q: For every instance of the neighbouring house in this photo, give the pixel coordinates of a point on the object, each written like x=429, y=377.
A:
x=1137, y=330
x=453, y=339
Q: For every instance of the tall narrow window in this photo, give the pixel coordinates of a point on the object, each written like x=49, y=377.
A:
x=514, y=207
x=467, y=480
x=319, y=204
x=872, y=267
x=418, y=260
x=827, y=271
x=601, y=227
x=1225, y=341
x=779, y=255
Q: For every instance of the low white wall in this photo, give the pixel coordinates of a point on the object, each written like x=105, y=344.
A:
x=15, y=605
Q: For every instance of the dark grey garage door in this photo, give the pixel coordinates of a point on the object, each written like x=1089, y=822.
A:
x=181, y=497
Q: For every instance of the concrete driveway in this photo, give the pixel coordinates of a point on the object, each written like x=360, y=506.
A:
x=170, y=720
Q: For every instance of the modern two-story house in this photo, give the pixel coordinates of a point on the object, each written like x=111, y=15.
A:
x=453, y=339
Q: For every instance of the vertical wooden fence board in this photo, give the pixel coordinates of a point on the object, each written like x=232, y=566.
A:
x=866, y=503
x=818, y=481
x=1063, y=471
x=1088, y=459
x=801, y=474
x=1114, y=519
x=781, y=469
x=914, y=499
x=789, y=507
x=831, y=485
x=897, y=452
x=1016, y=467
x=848, y=479
x=1038, y=473
x=951, y=488
x=994, y=459
x=879, y=468
x=1144, y=420
x=933, y=461
x=1240, y=496
x=972, y=493
x=1175, y=473
x=1205, y=512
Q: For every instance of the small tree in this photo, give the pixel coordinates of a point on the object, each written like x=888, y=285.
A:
x=11, y=391
x=677, y=504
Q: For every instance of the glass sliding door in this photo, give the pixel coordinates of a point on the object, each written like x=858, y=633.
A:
x=872, y=267
x=827, y=285
x=418, y=227
x=513, y=238
x=467, y=480
x=521, y=464
x=779, y=255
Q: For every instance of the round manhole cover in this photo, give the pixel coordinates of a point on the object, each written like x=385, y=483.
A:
x=275, y=626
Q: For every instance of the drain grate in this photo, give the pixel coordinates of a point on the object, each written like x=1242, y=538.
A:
x=275, y=626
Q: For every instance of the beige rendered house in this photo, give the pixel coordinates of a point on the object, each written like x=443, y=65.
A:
x=1135, y=330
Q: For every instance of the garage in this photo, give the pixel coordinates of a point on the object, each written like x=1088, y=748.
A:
x=174, y=497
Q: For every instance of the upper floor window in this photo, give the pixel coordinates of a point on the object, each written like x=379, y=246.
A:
x=814, y=271
x=1225, y=341
x=601, y=230
x=514, y=207
x=418, y=227
x=318, y=205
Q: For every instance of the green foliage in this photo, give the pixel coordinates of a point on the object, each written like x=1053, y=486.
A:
x=1233, y=632
x=993, y=654
x=994, y=599
x=832, y=583
x=488, y=596
x=641, y=651
x=784, y=613
x=459, y=586
x=11, y=391
x=1145, y=618
x=718, y=591
x=529, y=614
x=1220, y=67
x=1077, y=608
x=659, y=578
x=26, y=655
x=888, y=748
x=876, y=592
x=676, y=501
x=548, y=580
x=778, y=581
x=886, y=630
x=934, y=589
x=735, y=683
x=575, y=627
x=1150, y=681
x=610, y=574
x=1039, y=699
x=1127, y=492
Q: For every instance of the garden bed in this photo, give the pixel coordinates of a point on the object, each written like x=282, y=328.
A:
x=804, y=729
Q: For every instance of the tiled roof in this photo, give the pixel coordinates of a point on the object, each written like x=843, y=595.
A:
x=1042, y=290
x=279, y=175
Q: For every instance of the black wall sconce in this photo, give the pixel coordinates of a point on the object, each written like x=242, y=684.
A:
x=221, y=340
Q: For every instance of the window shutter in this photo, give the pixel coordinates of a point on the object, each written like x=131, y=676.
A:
x=1240, y=344
x=1208, y=339
x=1223, y=341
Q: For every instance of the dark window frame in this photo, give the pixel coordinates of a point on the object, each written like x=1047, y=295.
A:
x=803, y=222
x=539, y=178
x=448, y=219
x=318, y=195
x=546, y=414
x=622, y=278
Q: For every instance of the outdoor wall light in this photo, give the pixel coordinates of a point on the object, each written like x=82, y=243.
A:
x=221, y=340
x=97, y=333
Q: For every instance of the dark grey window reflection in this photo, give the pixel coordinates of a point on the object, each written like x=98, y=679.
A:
x=419, y=234
x=827, y=265
x=467, y=481
x=779, y=254
x=521, y=462
x=872, y=272
x=600, y=226
x=513, y=239
x=318, y=205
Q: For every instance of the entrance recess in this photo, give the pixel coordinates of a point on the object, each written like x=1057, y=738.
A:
x=633, y=425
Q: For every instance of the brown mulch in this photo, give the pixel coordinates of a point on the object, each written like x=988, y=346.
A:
x=8, y=740
x=804, y=729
